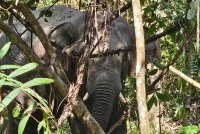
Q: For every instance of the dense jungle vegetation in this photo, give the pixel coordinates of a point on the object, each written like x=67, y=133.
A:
x=171, y=80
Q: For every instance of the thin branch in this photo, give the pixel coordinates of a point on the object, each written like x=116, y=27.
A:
x=176, y=27
x=185, y=77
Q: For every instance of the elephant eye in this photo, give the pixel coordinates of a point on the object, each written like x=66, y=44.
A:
x=54, y=44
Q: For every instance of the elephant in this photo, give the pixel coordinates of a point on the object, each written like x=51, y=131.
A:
x=104, y=86
x=105, y=75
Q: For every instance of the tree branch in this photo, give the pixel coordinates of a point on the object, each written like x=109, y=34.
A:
x=177, y=26
x=185, y=77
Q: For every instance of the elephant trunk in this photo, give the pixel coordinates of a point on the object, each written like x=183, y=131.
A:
x=103, y=98
x=102, y=107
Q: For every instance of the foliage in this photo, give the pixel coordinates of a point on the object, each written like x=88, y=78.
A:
x=18, y=87
x=189, y=130
x=158, y=16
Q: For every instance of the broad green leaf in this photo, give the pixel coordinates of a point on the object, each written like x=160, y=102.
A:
x=153, y=72
x=151, y=101
x=6, y=101
x=3, y=75
x=36, y=82
x=164, y=97
x=23, y=69
x=4, y=50
x=4, y=82
x=25, y=117
x=189, y=130
x=3, y=67
x=15, y=81
x=16, y=111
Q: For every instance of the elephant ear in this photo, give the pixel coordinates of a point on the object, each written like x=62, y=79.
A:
x=152, y=50
x=62, y=35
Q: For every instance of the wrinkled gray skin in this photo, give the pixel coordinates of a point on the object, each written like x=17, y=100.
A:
x=105, y=74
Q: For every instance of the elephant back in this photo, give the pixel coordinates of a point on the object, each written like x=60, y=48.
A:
x=60, y=15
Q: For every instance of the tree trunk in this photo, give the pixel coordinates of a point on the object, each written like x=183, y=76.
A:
x=140, y=68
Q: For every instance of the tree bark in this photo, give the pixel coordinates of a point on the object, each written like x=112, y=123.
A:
x=140, y=68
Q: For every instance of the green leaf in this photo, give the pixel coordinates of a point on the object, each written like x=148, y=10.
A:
x=48, y=13
x=192, y=12
x=189, y=130
x=23, y=69
x=36, y=82
x=4, y=50
x=3, y=75
x=157, y=63
x=4, y=82
x=164, y=97
x=16, y=111
x=152, y=100
x=11, y=96
x=15, y=81
x=25, y=117
x=153, y=72
x=3, y=67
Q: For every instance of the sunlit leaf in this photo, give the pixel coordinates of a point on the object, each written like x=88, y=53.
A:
x=11, y=96
x=3, y=75
x=189, y=130
x=2, y=67
x=36, y=82
x=25, y=117
x=16, y=111
x=4, y=82
x=23, y=69
x=4, y=50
